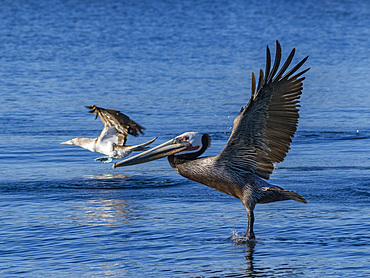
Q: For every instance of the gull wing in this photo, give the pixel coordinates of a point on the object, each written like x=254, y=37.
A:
x=264, y=129
x=116, y=125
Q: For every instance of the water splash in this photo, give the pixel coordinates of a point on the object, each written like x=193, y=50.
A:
x=239, y=239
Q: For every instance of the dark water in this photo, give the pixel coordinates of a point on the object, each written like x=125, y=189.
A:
x=176, y=66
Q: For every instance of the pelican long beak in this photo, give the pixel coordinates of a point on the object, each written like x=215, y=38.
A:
x=165, y=149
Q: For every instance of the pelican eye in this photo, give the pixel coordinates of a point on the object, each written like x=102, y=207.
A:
x=182, y=139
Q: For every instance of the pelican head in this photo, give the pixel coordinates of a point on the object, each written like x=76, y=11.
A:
x=189, y=144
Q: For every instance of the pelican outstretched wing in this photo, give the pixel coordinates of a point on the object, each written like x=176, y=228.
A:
x=264, y=129
x=116, y=125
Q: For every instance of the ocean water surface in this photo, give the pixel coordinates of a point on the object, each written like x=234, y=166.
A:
x=177, y=66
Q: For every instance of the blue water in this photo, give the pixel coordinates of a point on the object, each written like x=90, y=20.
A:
x=176, y=66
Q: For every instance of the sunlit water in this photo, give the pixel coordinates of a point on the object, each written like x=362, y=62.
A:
x=176, y=66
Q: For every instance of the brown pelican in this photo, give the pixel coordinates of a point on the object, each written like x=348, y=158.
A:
x=261, y=136
x=113, y=137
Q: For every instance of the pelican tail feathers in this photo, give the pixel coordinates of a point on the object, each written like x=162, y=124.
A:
x=289, y=194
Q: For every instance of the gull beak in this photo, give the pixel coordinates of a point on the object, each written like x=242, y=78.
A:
x=169, y=148
x=67, y=143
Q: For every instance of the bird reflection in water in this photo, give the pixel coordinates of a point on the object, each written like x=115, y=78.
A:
x=248, y=247
x=110, y=212
x=249, y=258
x=106, y=176
x=255, y=266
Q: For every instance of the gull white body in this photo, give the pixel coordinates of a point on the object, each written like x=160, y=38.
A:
x=112, y=139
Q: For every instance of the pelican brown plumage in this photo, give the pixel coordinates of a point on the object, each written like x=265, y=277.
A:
x=261, y=136
x=113, y=137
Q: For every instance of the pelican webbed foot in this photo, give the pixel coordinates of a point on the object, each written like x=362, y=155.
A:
x=250, y=237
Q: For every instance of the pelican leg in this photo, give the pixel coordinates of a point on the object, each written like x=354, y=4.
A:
x=104, y=159
x=249, y=233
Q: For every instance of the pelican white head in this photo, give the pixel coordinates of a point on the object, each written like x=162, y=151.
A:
x=186, y=143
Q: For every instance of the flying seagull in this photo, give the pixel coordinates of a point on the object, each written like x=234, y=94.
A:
x=113, y=137
x=261, y=136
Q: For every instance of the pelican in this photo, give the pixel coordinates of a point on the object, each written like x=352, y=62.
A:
x=261, y=136
x=113, y=137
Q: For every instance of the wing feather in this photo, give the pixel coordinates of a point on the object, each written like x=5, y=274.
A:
x=121, y=122
x=276, y=63
x=264, y=129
